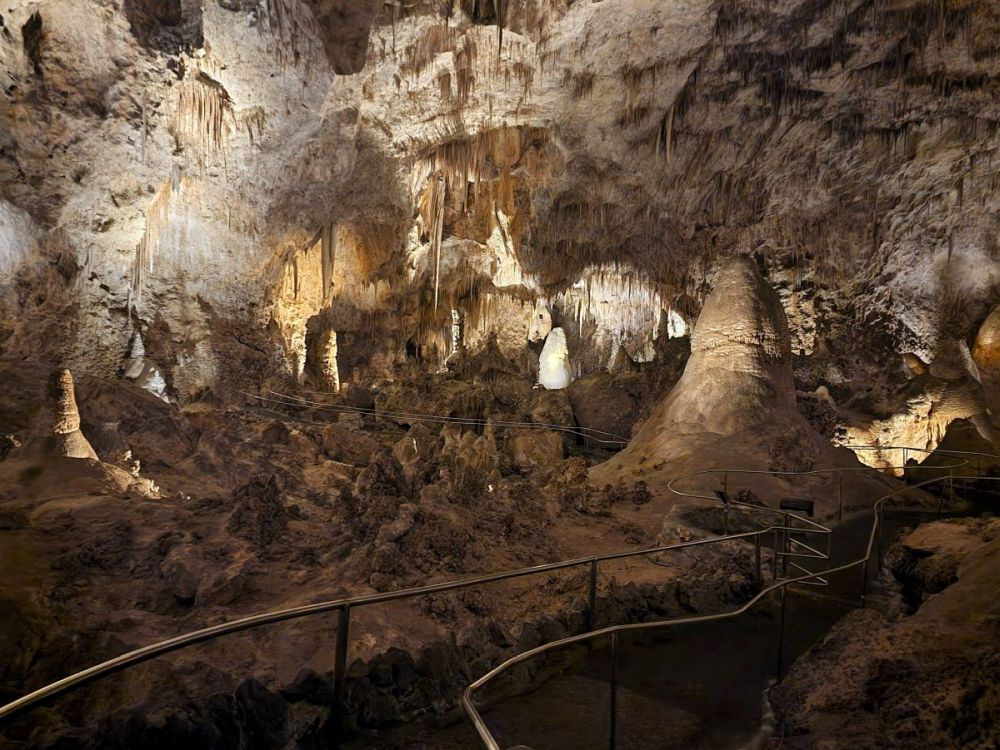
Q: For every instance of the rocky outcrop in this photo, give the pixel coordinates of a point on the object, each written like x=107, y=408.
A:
x=926, y=680
x=920, y=412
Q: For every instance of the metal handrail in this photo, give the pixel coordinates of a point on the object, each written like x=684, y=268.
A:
x=344, y=605
x=490, y=742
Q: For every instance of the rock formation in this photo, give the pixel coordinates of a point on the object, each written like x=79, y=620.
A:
x=919, y=413
x=734, y=406
x=927, y=680
x=737, y=384
x=58, y=432
x=739, y=374
x=142, y=372
x=370, y=245
x=554, y=370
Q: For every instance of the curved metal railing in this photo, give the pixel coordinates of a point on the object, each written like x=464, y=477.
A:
x=781, y=585
x=343, y=607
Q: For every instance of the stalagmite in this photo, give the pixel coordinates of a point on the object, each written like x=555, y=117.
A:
x=554, y=370
x=61, y=436
x=328, y=360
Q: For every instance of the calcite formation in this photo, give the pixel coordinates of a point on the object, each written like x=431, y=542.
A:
x=404, y=276
x=59, y=433
x=142, y=372
x=554, y=369
x=739, y=374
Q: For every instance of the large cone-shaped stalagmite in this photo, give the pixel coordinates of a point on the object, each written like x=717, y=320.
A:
x=63, y=437
x=734, y=406
x=739, y=373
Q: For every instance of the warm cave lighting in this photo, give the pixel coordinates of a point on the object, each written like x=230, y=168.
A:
x=676, y=327
x=480, y=374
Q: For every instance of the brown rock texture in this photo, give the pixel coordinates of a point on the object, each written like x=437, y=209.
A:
x=924, y=680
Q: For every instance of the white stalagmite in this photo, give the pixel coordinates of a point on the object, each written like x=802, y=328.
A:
x=143, y=372
x=676, y=327
x=554, y=370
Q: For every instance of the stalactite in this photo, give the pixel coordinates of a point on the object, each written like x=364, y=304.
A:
x=437, y=231
x=254, y=119
x=291, y=26
x=204, y=113
x=156, y=220
x=328, y=249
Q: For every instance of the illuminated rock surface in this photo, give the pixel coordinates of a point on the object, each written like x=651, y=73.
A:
x=554, y=369
x=363, y=295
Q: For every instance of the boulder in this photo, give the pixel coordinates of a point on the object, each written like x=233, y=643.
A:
x=536, y=448
x=606, y=404
x=347, y=446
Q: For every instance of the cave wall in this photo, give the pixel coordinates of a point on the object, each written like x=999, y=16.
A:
x=217, y=174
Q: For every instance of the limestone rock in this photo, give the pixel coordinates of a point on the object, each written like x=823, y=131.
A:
x=346, y=446
x=143, y=372
x=541, y=322
x=607, y=404
x=536, y=448
x=413, y=450
x=914, y=364
x=259, y=516
x=986, y=347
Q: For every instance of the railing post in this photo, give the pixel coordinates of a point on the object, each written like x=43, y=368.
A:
x=756, y=555
x=781, y=633
x=774, y=557
x=592, y=596
x=613, y=728
x=725, y=517
x=951, y=486
x=864, y=581
x=878, y=539
x=905, y=456
x=785, y=546
x=340, y=674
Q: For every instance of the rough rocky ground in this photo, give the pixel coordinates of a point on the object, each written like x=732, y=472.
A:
x=200, y=515
x=909, y=679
